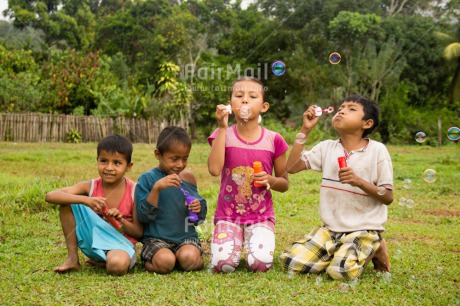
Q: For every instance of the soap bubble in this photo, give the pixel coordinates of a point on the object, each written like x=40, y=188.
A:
x=429, y=175
x=381, y=190
x=386, y=277
x=402, y=201
x=407, y=183
x=420, y=137
x=318, y=280
x=398, y=254
x=353, y=282
x=278, y=68
x=453, y=133
x=209, y=269
x=291, y=274
x=410, y=203
x=344, y=287
x=245, y=112
x=335, y=58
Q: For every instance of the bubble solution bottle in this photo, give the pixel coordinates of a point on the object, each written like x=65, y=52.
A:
x=257, y=166
x=342, y=161
x=114, y=222
x=193, y=216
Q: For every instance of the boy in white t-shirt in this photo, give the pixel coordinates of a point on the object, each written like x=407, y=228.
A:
x=353, y=199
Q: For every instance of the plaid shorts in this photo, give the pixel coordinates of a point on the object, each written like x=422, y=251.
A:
x=343, y=254
x=153, y=245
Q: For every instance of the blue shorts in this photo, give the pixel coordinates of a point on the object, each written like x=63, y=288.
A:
x=96, y=237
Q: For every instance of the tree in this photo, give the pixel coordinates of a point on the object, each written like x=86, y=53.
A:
x=452, y=54
x=64, y=23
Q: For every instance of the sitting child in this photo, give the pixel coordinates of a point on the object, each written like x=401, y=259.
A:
x=162, y=196
x=353, y=199
x=109, y=197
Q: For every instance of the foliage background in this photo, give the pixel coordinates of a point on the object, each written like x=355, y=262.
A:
x=175, y=59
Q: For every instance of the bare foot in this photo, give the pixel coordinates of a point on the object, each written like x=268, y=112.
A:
x=68, y=266
x=95, y=263
x=381, y=260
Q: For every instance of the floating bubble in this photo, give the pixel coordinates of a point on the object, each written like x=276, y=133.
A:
x=209, y=269
x=245, y=112
x=453, y=133
x=353, y=282
x=381, y=190
x=397, y=255
x=335, y=58
x=318, y=280
x=344, y=287
x=429, y=175
x=407, y=183
x=410, y=203
x=386, y=277
x=278, y=68
x=402, y=201
x=291, y=274
x=420, y=137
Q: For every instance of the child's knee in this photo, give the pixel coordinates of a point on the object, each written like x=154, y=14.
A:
x=162, y=262
x=260, y=261
x=190, y=261
x=225, y=257
x=224, y=262
x=118, y=265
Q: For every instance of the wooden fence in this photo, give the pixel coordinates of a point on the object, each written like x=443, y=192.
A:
x=32, y=127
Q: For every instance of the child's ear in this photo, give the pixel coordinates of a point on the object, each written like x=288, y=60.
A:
x=368, y=124
x=130, y=165
x=157, y=154
x=265, y=107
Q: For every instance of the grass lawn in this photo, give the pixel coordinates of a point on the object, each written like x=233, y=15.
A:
x=423, y=239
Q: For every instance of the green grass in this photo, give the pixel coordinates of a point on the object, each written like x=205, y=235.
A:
x=423, y=241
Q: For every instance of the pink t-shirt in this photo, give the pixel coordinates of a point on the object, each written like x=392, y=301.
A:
x=239, y=201
x=126, y=204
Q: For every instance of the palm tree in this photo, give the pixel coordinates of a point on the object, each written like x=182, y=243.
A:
x=452, y=53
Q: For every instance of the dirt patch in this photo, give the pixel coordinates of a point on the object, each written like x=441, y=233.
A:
x=443, y=213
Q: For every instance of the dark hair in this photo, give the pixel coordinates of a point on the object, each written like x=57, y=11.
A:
x=116, y=144
x=371, y=110
x=171, y=135
x=248, y=78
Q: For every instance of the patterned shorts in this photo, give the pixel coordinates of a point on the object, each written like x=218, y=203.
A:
x=343, y=255
x=153, y=245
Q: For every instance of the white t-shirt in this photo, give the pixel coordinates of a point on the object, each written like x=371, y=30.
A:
x=344, y=208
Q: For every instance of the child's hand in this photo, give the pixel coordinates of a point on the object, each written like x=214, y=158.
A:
x=172, y=180
x=114, y=212
x=222, y=116
x=348, y=176
x=262, y=178
x=96, y=203
x=194, y=206
x=309, y=118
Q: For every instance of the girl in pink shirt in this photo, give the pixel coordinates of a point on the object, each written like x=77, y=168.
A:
x=244, y=210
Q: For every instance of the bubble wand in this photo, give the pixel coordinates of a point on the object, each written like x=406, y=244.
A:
x=319, y=111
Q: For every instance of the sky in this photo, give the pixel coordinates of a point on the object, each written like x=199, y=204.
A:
x=3, y=6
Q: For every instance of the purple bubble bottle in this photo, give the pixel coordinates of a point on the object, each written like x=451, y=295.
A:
x=193, y=216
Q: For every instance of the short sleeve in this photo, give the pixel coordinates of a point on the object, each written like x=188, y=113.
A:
x=281, y=145
x=315, y=156
x=384, y=167
x=212, y=137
